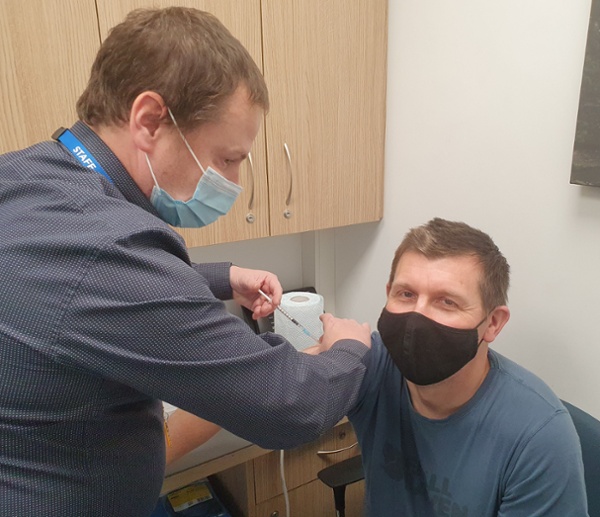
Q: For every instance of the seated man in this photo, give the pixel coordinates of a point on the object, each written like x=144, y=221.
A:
x=447, y=426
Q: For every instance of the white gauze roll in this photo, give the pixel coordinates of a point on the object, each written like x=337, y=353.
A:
x=305, y=308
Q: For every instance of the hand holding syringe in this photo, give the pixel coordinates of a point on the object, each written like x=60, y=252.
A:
x=290, y=317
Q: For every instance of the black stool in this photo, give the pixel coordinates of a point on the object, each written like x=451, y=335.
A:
x=338, y=476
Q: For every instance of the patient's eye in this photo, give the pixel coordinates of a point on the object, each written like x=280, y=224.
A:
x=405, y=295
x=447, y=302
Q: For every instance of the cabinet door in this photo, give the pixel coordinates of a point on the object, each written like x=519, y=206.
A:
x=254, y=489
x=314, y=499
x=302, y=464
x=311, y=500
x=46, y=49
x=325, y=62
x=249, y=217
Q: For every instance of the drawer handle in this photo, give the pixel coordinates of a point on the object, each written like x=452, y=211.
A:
x=325, y=453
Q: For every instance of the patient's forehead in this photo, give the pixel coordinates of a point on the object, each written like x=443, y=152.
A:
x=457, y=273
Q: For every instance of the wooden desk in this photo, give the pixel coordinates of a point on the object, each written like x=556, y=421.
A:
x=248, y=479
x=211, y=467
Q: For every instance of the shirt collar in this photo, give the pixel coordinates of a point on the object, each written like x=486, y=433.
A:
x=112, y=166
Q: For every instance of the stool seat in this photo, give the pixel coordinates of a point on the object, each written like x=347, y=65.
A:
x=338, y=476
x=343, y=473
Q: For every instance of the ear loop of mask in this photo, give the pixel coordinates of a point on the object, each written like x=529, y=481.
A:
x=185, y=141
x=151, y=170
x=186, y=144
x=477, y=326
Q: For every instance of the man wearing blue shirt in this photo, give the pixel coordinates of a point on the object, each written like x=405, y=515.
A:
x=447, y=426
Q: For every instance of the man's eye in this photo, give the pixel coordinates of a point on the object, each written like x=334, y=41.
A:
x=449, y=302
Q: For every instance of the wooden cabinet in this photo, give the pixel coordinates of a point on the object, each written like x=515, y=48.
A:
x=318, y=159
x=314, y=499
x=325, y=63
x=254, y=489
x=46, y=50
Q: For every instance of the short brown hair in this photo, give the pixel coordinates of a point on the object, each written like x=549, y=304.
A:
x=185, y=55
x=440, y=238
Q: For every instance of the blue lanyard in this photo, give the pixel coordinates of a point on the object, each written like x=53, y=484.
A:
x=78, y=150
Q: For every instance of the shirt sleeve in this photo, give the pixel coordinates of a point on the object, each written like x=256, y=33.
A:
x=546, y=476
x=217, y=276
x=375, y=363
x=144, y=318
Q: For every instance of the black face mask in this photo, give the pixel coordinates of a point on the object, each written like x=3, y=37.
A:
x=425, y=351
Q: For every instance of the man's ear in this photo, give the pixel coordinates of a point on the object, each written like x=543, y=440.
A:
x=498, y=318
x=387, y=290
x=147, y=112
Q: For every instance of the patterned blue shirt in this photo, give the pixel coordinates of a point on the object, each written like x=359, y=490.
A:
x=102, y=315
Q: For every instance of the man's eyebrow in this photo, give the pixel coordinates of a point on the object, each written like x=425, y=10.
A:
x=401, y=285
x=448, y=293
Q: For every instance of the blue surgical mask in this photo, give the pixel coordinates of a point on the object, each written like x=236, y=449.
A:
x=213, y=197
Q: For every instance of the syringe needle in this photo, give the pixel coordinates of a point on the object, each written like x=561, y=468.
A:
x=290, y=317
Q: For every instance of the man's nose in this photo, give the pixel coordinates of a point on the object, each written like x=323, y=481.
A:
x=423, y=306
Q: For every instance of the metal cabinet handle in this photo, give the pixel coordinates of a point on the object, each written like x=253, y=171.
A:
x=250, y=216
x=287, y=212
x=289, y=158
x=336, y=451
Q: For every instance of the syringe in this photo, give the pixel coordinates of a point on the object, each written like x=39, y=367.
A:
x=290, y=317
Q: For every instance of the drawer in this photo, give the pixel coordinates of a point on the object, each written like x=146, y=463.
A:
x=315, y=499
x=302, y=464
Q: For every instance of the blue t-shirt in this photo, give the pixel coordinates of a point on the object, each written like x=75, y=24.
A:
x=511, y=451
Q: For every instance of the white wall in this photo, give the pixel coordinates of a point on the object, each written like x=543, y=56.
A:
x=481, y=111
x=280, y=255
x=482, y=104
